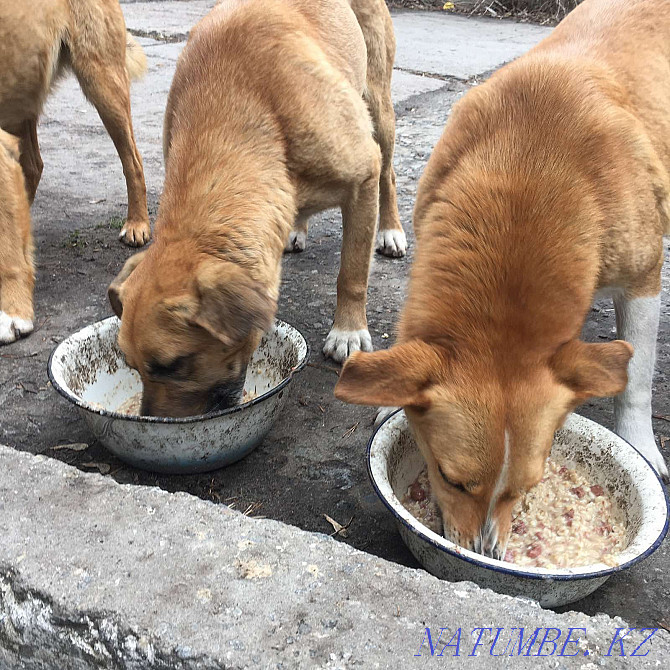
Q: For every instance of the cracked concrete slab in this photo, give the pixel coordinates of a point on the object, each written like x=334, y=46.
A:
x=165, y=20
x=96, y=574
x=459, y=46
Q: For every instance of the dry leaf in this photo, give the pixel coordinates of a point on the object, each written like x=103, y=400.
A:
x=339, y=528
x=77, y=446
x=102, y=468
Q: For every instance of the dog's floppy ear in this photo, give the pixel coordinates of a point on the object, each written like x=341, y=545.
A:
x=593, y=370
x=11, y=144
x=398, y=376
x=115, y=290
x=230, y=303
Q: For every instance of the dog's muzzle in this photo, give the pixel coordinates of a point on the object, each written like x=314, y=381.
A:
x=486, y=543
x=226, y=395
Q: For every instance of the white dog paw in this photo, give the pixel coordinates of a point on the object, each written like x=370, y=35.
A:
x=297, y=241
x=383, y=413
x=392, y=243
x=12, y=328
x=340, y=344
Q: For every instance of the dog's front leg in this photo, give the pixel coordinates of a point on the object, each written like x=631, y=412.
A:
x=17, y=273
x=359, y=218
x=637, y=323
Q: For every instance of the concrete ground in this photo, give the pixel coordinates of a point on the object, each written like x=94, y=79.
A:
x=313, y=462
x=129, y=577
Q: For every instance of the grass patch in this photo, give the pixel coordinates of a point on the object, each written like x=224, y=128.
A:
x=74, y=241
x=115, y=223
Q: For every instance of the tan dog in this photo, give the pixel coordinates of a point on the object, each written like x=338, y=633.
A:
x=549, y=184
x=17, y=275
x=266, y=124
x=39, y=41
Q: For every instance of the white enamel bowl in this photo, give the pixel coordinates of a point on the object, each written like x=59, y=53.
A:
x=394, y=462
x=88, y=369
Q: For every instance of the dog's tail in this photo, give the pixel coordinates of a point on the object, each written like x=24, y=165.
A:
x=136, y=60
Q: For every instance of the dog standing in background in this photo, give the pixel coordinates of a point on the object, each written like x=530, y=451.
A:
x=39, y=41
x=42, y=39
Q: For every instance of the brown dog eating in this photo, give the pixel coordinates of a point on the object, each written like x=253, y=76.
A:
x=278, y=109
x=549, y=185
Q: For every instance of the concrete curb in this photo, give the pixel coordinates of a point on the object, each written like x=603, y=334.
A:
x=95, y=574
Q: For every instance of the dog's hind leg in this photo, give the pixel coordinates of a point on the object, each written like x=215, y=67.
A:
x=297, y=239
x=31, y=160
x=637, y=323
x=98, y=59
x=377, y=30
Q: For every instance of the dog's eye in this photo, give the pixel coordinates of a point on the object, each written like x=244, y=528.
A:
x=171, y=369
x=453, y=484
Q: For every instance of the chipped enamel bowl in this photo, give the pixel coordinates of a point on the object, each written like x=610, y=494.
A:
x=88, y=369
x=394, y=462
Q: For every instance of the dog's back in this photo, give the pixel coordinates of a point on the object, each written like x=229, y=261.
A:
x=572, y=126
x=629, y=41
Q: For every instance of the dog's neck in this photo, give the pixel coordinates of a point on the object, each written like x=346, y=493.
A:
x=232, y=194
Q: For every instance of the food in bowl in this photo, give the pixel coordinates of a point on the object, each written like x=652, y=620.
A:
x=562, y=522
x=132, y=405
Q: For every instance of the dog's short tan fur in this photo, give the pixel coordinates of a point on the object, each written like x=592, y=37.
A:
x=17, y=275
x=266, y=124
x=39, y=41
x=549, y=184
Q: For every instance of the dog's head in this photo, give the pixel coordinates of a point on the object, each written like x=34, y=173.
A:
x=189, y=325
x=484, y=430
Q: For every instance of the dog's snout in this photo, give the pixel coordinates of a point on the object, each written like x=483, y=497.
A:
x=486, y=542
x=228, y=394
x=145, y=406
